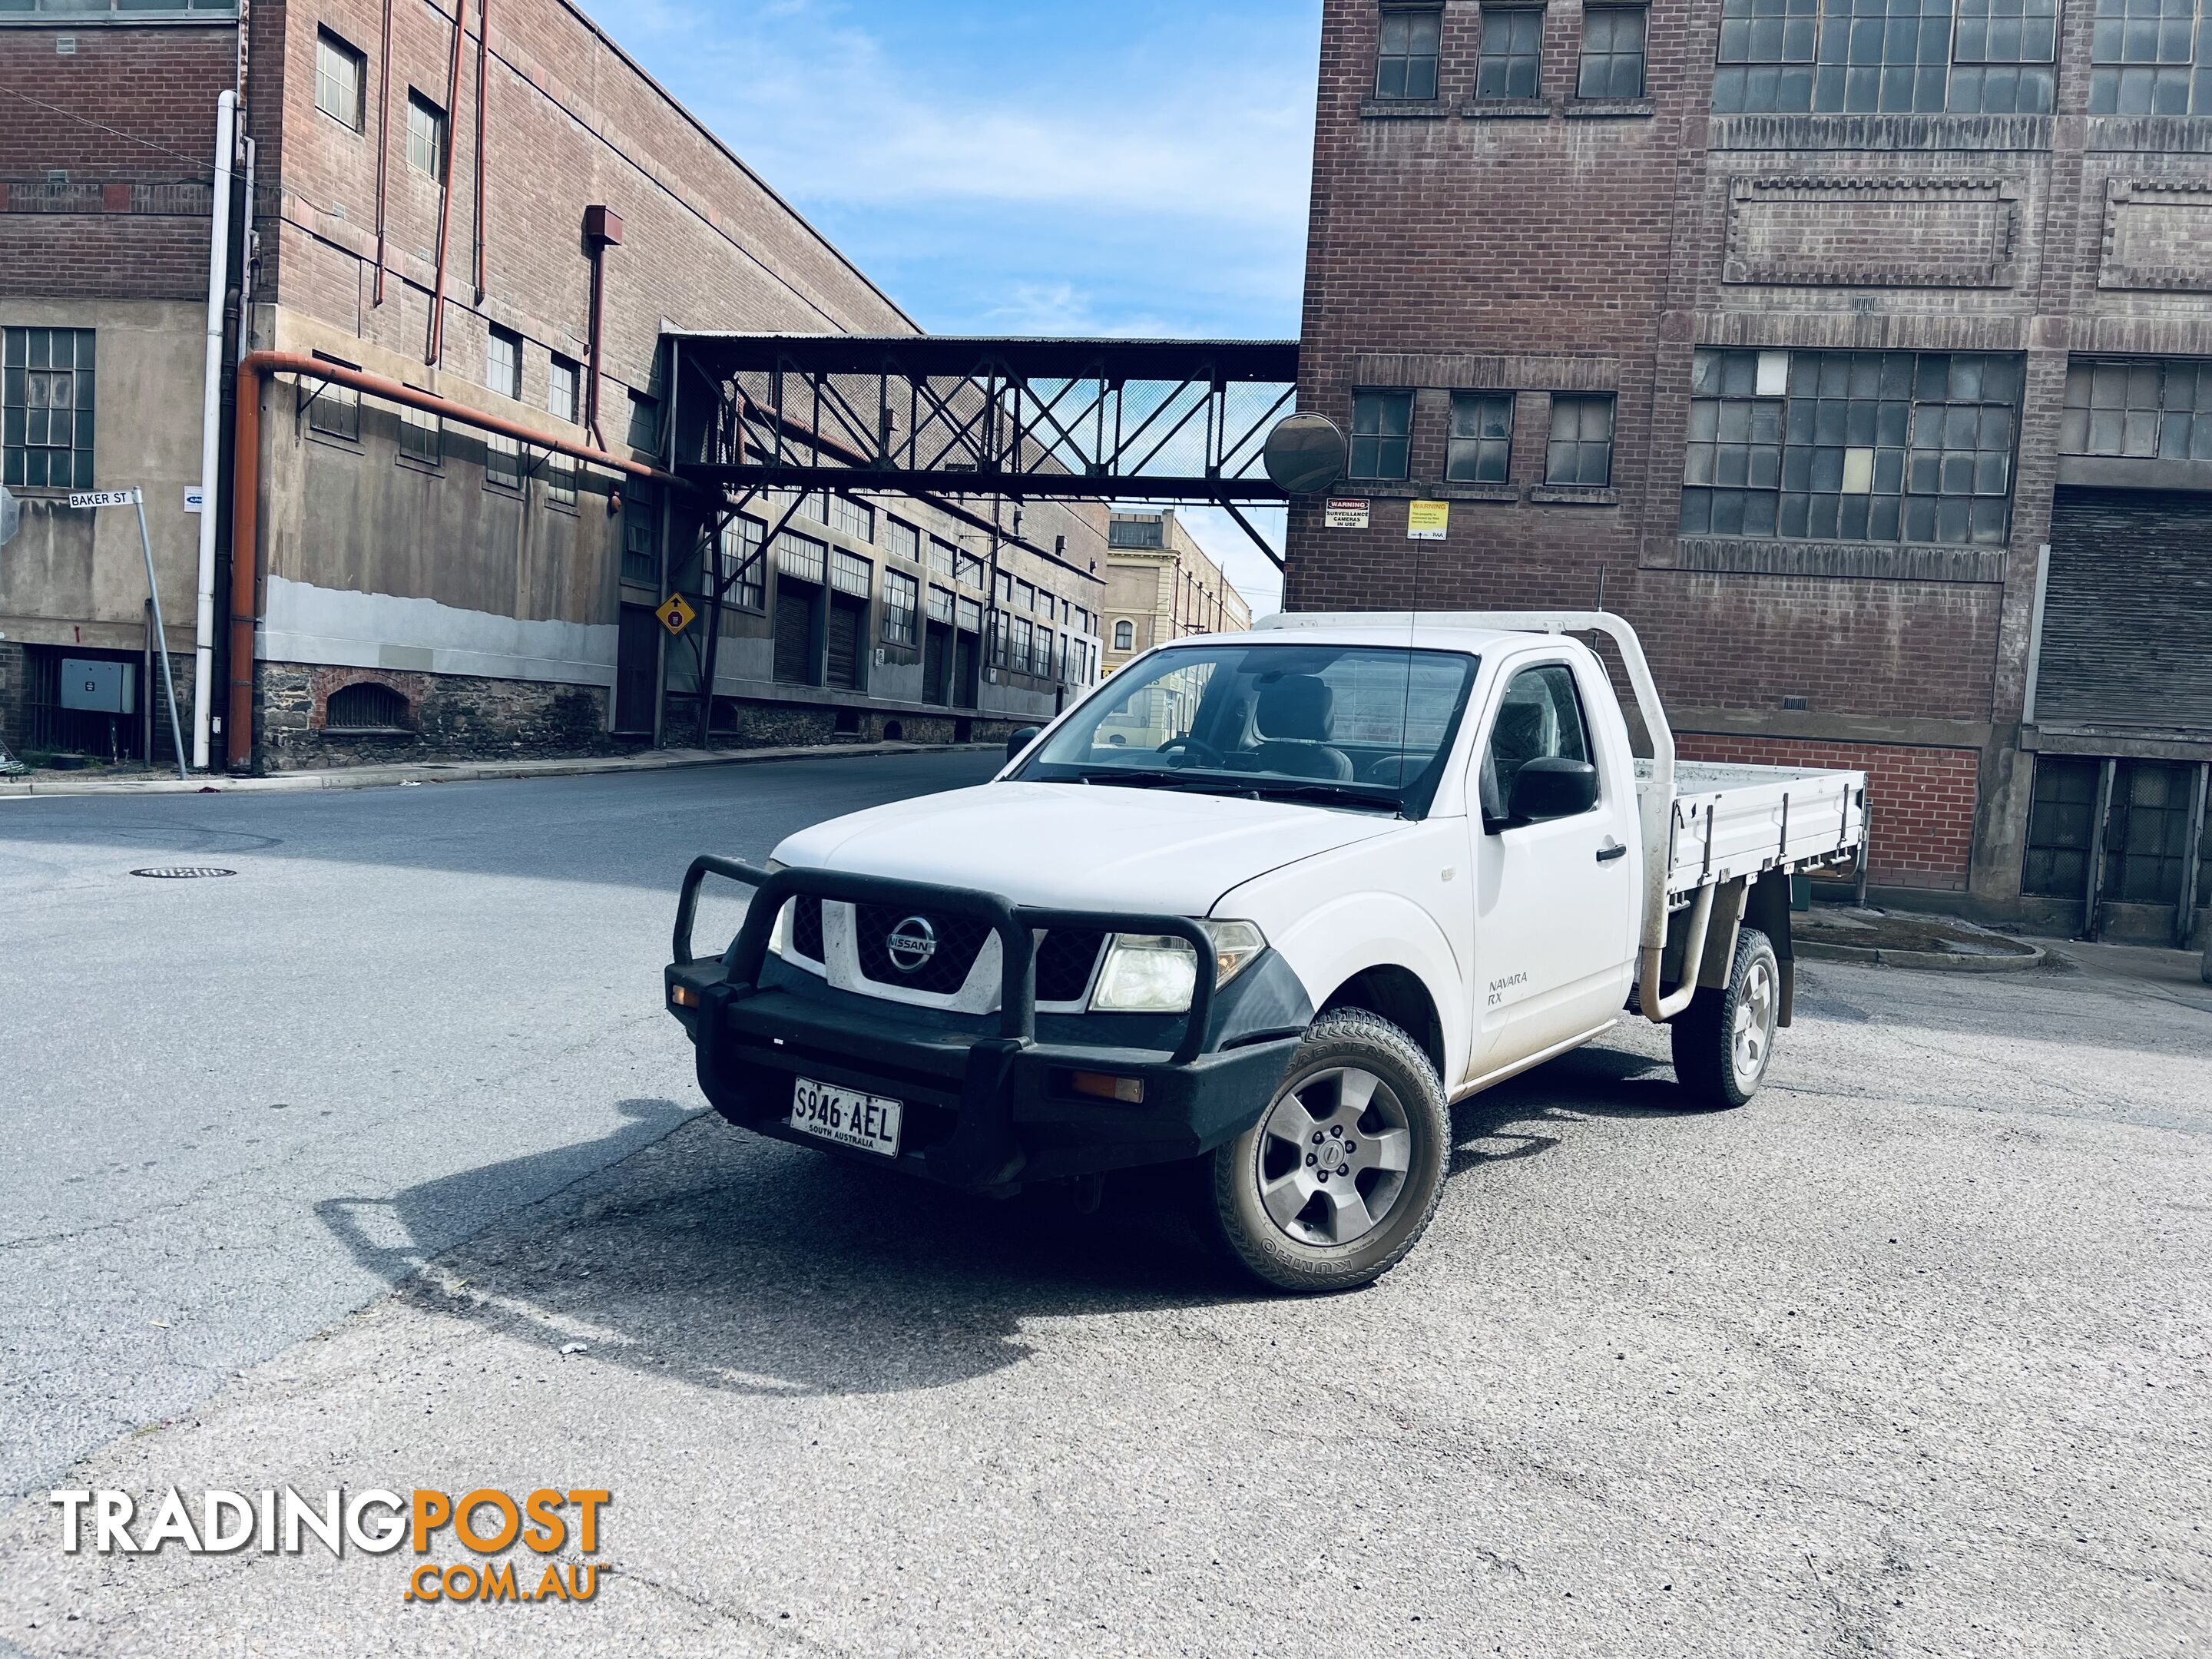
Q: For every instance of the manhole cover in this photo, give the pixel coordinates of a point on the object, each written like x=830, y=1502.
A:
x=182, y=873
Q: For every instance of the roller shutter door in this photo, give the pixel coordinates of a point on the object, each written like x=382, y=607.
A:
x=2127, y=616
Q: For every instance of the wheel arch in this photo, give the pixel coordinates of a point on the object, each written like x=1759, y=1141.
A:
x=1399, y=995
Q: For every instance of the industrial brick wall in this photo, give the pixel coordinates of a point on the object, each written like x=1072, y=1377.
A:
x=1922, y=799
x=115, y=201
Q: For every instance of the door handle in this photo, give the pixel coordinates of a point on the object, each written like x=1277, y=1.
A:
x=1610, y=851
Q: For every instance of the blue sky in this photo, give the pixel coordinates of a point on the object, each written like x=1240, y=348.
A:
x=1060, y=166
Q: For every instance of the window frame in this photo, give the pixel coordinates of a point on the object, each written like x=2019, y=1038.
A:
x=433, y=132
x=330, y=44
x=1582, y=402
x=20, y=345
x=1613, y=56
x=1482, y=448
x=564, y=371
x=1490, y=788
x=1377, y=400
x=1415, y=69
x=496, y=339
x=1513, y=64
x=1123, y=625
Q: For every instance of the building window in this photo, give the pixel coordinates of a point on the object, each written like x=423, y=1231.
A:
x=1581, y=449
x=1018, y=655
x=502, y=461
x=942, y=558
x=426, y=135
x=1853, y=56
x=2002, y=56
x=46, y=408
x=1851, y=445
x=1480, y=448
x=2143, y=54
x=365, y=706
x=339, y=80
x=2150, y=408
x=560, y=480
x=503, y=362
x=1406, y=64
x=1613, y=52
x=645, y=423
x=901, y=595
x=851, y=573
x=940, y=605
x=1125, y=635
x=333, y=409
x=422, y=435
x=1136, y=532
x=971, y=572
x=801, y=556
x=1512, y=53
x=1381, y=434
x=744, y=573
x=1003, y=588
x=906, y=541
x=851, y=518
x=561, y=381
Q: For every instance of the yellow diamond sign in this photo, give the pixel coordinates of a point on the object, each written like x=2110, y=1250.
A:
x=676, y=614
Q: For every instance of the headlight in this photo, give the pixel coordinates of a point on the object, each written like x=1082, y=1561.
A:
x=1154, y=973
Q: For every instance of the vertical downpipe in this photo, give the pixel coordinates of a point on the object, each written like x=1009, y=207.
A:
x=383, y=147
x=483, y=94
x=226, y=153
x=437, y=346
x=2092, y=900
x=245, y=562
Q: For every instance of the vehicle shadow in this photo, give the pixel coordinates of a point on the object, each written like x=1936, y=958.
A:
x=736, y=1263
x=1509, y=1122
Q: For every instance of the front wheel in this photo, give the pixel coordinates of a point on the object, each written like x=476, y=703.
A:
x=1724, y=1040
x=1339, y=1178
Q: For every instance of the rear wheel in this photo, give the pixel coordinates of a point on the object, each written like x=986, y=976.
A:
x=1339, y=1176
x=1724, y=1040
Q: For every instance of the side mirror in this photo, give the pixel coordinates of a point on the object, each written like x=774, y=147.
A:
x=1552, y=786
x=1022, y=739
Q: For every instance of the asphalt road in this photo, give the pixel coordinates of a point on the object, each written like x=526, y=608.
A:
x=221, y=1090
x=1908, y=1358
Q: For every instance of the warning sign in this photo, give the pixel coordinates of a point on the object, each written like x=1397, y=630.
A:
x=1427, y=521
x=676, y=614
x=1345, y=512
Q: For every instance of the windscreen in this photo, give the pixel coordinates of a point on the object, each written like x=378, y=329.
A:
x=1358, y=727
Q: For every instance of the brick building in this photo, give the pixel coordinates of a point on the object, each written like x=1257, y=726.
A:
x=476, y=573
x=1161, y=585
x=1854, y=354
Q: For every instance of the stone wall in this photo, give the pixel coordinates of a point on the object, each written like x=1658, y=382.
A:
x=445, y=717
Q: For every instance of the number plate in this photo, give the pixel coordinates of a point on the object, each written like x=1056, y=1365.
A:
x=867, y=1122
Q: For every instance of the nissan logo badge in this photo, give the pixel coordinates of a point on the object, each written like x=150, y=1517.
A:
x=911, y=945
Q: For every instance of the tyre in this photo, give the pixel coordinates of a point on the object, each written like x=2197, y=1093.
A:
x=1338, y=1179
x=1724, y=1040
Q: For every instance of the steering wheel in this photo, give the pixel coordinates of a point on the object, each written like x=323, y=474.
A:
x=1194, y=749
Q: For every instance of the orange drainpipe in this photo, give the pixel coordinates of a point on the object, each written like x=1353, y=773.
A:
x=445, y=183
x=383, y=142
x=245, y=498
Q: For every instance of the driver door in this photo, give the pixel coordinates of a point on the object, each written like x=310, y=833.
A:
x=1553, y=902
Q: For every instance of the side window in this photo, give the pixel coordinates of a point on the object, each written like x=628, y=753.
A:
x=1540, y=717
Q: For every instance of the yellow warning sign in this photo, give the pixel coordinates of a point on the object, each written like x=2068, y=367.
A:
x=1427, y=521
x=676, y=614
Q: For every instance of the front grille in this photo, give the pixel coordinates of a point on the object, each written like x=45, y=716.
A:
x=960, y=940
x=806, y=928
x=1064, y=960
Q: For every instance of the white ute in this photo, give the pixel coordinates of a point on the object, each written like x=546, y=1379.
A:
x=1419, y=853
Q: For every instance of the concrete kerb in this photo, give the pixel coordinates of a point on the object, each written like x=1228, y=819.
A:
x=1939, y=961
x=385, y=777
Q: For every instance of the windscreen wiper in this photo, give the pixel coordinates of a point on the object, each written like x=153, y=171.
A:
x=1352, y=794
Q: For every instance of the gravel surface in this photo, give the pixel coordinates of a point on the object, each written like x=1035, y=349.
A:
x=1906, y=1358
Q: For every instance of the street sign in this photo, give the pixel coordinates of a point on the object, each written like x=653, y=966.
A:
x=11, y=517
x=104, y=498
x=676, y=614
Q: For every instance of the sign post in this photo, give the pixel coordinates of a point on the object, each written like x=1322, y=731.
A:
x=99, y=498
